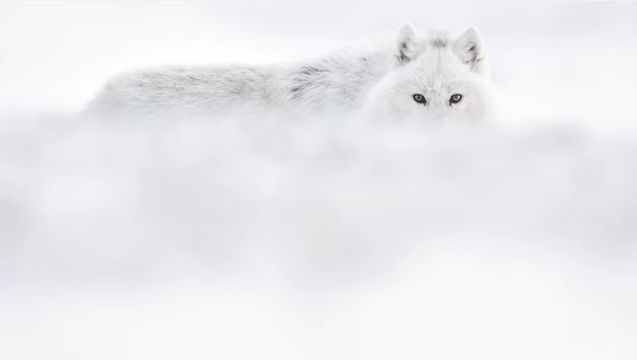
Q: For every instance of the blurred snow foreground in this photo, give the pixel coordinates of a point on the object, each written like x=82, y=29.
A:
x=317, y=237
x=276, y=238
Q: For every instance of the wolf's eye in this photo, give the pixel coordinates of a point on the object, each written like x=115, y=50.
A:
x=454, y=99
x=420, y=98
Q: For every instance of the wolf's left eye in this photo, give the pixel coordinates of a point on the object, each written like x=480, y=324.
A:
x=454, y=99
x=419, y=98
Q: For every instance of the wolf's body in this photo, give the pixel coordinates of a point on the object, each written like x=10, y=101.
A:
x=380, y=81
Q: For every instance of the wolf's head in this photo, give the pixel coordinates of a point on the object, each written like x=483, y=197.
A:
x=436, y=76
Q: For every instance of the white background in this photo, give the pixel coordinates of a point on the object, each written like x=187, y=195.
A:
x=317, y=239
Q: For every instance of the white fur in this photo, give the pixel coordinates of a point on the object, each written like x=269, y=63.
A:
x=437, y=67
x=381, y=81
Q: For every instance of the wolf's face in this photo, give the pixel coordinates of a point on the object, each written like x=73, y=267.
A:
x=437, y=77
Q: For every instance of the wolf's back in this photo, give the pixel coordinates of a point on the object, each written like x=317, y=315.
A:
x=183, y=90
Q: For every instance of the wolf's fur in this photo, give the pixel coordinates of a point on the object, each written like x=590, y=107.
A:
x=382, y=81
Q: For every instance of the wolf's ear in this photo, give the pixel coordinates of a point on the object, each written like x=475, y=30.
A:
x=406, y=44
x=470, y=49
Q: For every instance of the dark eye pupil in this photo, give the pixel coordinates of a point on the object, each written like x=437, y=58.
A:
x=419, y=98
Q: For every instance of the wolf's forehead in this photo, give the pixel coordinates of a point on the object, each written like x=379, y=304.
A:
x=439, y=62
x=439, y=71
x=437, y=86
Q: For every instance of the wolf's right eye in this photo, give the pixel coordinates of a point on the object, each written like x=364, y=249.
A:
x=454, y=99
x=420, y=98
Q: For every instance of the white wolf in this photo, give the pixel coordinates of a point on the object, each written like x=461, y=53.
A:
x=423, y=75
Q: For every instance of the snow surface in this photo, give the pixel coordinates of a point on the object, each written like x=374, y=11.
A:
x=317, y=238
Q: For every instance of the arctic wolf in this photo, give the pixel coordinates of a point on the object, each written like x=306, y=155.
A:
x=423, y=75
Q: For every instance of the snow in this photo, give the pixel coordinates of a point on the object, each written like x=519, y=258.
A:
x=315, y=238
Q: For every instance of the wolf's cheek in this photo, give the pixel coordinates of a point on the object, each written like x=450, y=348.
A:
x=475, y=106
